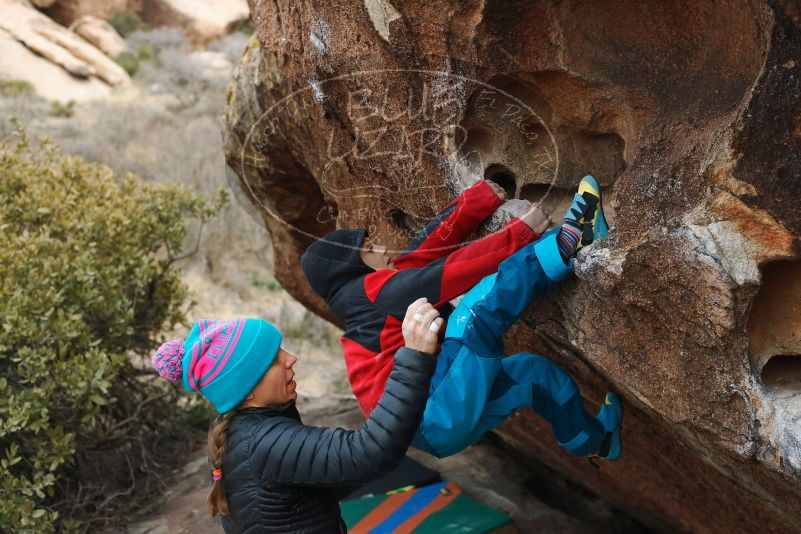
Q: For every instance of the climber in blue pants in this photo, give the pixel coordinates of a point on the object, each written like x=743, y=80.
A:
x=475, y=387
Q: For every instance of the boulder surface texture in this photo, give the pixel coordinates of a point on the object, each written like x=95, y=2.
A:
x=376, y=113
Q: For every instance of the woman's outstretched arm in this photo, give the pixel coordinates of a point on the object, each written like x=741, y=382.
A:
x=284, y=451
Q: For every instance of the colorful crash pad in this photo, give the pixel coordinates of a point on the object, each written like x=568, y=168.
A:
x=440, y=508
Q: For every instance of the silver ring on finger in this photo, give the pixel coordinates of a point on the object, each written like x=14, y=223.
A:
x=434, y=327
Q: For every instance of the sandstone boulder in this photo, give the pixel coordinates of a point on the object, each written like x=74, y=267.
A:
x=203, y=20
x=77, y=69
x=100, y=33
x=67, y=12
x=376, y=113
x=49, y=80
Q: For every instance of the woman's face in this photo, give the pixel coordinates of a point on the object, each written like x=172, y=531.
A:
x=277, y=386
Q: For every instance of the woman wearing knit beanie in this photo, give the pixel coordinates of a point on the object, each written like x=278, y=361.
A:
x=272, y=473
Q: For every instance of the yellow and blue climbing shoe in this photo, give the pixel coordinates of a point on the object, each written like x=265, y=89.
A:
x=592, y=220
x=610, y=416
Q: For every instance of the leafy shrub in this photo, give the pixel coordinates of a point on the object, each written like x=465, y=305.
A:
x=128, y=61
x=87, y=283
x=127, y=22
x=14, y=88
x=147, y=52
x=131, y=61
x=62, y=109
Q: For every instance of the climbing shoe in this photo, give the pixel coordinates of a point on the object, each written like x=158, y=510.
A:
x=610, y=416
x=592, y=220
x=575, y=212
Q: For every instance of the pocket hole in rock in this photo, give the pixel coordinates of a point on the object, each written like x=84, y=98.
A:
x=503, y=177
x=536, y=192
x=774, y=326
x=403, y=220
x=782, y=371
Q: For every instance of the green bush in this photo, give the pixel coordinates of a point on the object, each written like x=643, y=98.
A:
x=87, y=284
x=147, y=52
x=131, y=61
x=62, y=109
x=14, y=88
x=126, y=22
x=128, y=61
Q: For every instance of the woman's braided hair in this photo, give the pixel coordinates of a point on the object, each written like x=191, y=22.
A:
x=218, y=433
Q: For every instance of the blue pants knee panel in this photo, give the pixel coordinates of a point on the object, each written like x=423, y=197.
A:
x=457, y=397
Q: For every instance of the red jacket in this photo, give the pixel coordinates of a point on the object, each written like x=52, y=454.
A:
x=373, y=303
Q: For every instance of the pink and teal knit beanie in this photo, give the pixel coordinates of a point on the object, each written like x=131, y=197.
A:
x=224, y=360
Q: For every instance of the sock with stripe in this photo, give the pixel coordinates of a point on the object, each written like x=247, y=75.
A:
x=568, y=240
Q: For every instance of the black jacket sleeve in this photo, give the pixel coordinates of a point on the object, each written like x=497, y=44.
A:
x=284, y=451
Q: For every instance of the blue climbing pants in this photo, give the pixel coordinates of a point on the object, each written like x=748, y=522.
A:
x=474, y=387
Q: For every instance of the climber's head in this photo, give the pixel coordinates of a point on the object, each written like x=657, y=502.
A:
x=373, y=254
x=334, y=260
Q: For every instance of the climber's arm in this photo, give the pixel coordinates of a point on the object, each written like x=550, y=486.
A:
x=446, y=278
x=450, y=227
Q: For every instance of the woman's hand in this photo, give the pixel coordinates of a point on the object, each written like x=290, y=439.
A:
x=418, y=332
x=498, y=189
x=537, y=219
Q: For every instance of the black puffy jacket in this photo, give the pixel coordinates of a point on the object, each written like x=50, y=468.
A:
x=283, y=476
